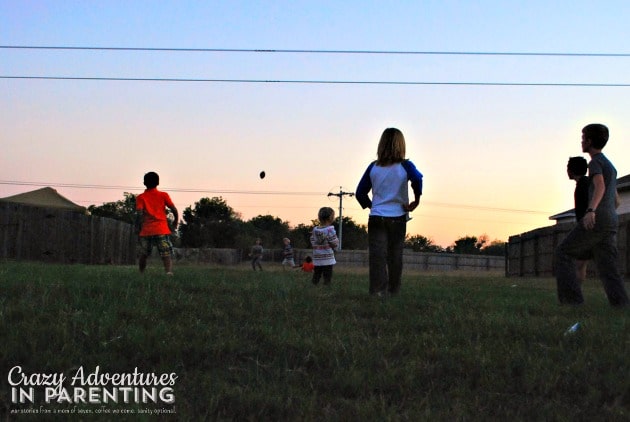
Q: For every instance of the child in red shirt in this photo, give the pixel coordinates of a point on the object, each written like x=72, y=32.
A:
x=154, y=226
x=308, y=265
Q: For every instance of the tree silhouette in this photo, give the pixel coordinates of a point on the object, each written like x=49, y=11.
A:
x=419, y=243
x=212, y=223
x=123, y=210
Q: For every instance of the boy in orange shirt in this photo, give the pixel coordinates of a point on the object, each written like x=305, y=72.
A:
x=154, y=226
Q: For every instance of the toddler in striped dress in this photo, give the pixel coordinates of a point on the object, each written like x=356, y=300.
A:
x=324, y=241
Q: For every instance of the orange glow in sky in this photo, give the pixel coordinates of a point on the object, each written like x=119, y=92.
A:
x=493, y=156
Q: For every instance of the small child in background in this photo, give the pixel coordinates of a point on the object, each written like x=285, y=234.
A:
x=287, y=253
x=256, y=255
x=307, y=265
x=324, y=241
x=576, y=170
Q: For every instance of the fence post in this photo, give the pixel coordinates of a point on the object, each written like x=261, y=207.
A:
x=536, y=256
x=18, y=238
x=521, y=258
x=506, y=257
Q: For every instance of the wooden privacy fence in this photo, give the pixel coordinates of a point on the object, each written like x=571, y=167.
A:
x=532, y=253
x=54, y=235
x=428, y=261
x=349, y=258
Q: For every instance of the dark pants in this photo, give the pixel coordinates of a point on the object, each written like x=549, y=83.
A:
x=603, y=245
x=322, y=270
x=256, y=263
x=386, y=242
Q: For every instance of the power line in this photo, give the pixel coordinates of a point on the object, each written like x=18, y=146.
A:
x=316, y=51
x=321, y=82
x=250, y=192
x=140, y=188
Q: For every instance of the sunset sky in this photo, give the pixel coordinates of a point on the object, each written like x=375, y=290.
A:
x=490, y=132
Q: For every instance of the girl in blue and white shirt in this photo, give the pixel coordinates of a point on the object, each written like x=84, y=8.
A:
x=388, y=179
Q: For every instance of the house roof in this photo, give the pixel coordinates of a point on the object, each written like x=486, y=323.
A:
x=45, y=197
x=565, y=214
x=623, y=183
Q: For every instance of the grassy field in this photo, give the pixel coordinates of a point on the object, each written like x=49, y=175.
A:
x=271, y=346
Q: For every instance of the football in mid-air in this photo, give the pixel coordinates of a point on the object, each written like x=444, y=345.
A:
x=262, y=174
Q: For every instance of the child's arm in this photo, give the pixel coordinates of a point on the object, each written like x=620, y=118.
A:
x=365, y=186
x=415, y=177
x=139, y=214
x=333, y=240
x=175, y=217
x=138, y=221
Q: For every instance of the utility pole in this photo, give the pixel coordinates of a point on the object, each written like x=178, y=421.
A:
x=341, y=194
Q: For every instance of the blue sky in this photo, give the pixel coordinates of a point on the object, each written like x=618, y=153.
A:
x=493, y=157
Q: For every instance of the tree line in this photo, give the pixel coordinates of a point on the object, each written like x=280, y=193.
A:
x=212, y=223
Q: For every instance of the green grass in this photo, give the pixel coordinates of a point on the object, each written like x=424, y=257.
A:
x=271, y=346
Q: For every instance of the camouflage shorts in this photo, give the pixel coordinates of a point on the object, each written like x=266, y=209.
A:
x=163, y=244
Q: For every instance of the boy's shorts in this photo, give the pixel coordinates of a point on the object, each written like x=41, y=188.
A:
x=162, y=242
